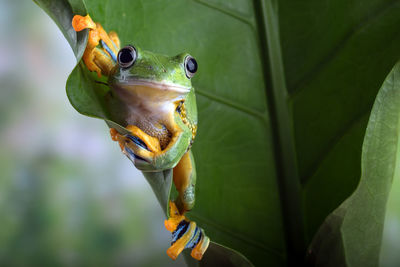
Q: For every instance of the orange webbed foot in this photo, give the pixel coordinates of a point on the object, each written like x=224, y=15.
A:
x=152, y=143
x=185, y=234
x=137, y=145
x=99, y=60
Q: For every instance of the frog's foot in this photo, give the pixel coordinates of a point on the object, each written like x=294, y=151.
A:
x=100, y=60
x=185, y=234
x=137, y=145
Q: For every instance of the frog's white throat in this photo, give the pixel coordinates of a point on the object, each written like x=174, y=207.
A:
x=135, y=90
x=163, y=86
x=153, y=100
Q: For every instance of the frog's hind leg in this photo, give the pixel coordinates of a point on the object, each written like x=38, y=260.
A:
x=184, y=176
x=185, y=233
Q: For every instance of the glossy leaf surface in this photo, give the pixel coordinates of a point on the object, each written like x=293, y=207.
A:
x=352, y=234
x=284, y=91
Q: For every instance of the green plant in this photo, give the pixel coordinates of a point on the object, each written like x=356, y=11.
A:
x=284, y=91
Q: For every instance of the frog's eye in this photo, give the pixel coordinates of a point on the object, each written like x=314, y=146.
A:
x=127, y=56
x=190, y=66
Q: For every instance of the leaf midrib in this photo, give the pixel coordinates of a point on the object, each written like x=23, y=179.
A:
x=282, y=128
x=279, y=118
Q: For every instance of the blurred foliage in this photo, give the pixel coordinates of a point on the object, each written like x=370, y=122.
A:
x=67, y=195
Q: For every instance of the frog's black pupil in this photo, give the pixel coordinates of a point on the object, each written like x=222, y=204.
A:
x=126, y=56
x=191, y=65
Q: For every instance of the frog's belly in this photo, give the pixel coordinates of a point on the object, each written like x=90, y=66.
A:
x=154, y=119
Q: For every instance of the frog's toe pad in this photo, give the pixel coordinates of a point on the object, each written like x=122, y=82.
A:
x=80, y=23
x=200, y=248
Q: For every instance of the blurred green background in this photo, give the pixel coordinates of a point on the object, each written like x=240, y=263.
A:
x=68, y=197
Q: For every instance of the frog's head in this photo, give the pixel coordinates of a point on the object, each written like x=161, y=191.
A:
x=142, y=75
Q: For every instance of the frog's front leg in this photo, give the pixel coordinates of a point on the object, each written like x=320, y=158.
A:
x=138, y=146
x=147, y=148
x=96, y=59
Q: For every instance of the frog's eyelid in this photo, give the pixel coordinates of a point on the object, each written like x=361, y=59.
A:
x=109, y=51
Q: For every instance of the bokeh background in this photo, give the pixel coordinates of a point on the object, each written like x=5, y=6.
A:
x=68, y=197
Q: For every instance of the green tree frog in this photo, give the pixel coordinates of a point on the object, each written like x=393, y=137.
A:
x=160, y=114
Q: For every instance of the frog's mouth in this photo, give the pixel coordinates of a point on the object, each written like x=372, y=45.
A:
x=163, y=86
x=146, y=90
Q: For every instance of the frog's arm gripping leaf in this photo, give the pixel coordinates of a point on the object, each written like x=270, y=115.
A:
x=99, y=60
x=185, y=233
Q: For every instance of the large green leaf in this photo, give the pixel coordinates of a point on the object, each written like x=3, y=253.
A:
x=336, y=55
x=61, y=11
x=284, y=92
x=352, y=234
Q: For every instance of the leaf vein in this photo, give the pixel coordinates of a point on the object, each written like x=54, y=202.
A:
x=227, y=12
x=231, y=103
x=334, y=141
x=368, y=20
